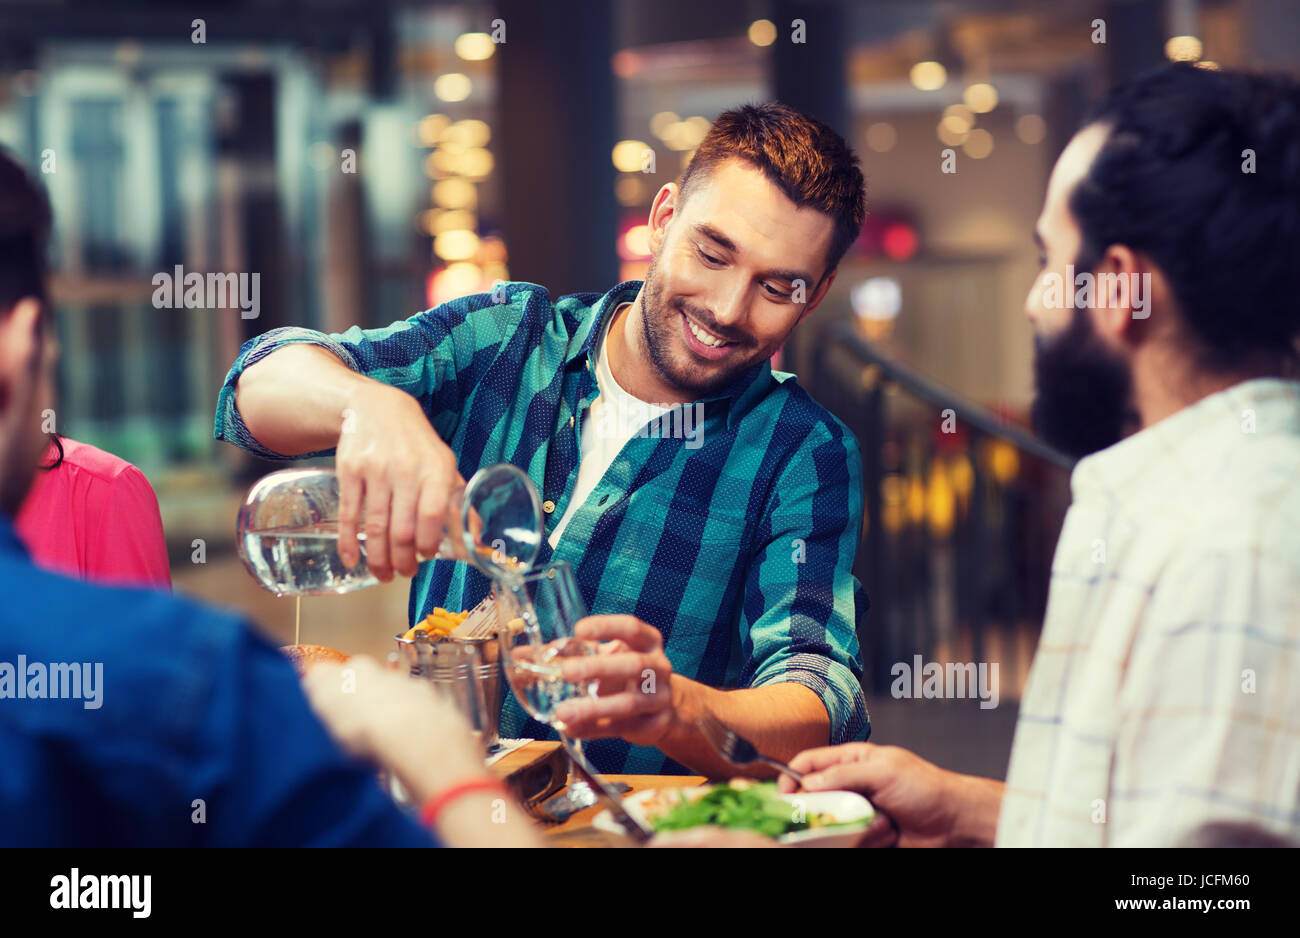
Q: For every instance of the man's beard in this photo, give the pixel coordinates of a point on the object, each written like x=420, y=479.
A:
x=662, y=326
x=1083, y=399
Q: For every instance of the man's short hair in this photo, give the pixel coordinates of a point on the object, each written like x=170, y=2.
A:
x=811, y=164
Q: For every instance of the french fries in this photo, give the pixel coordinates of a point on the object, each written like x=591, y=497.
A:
x=438, y=624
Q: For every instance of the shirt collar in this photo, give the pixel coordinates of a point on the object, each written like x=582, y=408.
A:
x=1192, y=443
x=625, y=292
x=737, y=396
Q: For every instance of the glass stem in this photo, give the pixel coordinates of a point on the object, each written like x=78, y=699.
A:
x=576, y=781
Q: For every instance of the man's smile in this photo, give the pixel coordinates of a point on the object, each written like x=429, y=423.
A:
x=704, y=343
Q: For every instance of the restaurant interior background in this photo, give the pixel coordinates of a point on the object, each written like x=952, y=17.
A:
x=370, y=158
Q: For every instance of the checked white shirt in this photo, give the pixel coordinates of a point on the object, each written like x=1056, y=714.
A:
x=1163, y=705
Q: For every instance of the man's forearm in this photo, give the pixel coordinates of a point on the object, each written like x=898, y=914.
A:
x=781, y=720
x=976, y=824
x=478, y=819
x=293, y=400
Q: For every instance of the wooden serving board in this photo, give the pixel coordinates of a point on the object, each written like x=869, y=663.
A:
x=533, y=772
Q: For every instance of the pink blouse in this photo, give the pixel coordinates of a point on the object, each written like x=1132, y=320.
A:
x=95, y=517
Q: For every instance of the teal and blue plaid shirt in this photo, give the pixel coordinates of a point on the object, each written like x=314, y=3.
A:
x=736, y=541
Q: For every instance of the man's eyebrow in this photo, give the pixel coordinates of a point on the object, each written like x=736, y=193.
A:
x=713, y=234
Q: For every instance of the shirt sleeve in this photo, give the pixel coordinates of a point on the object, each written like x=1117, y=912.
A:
x=1207, y=751
x=802, y=602
x=126, y=543
x=435, y=356
x=276, y=776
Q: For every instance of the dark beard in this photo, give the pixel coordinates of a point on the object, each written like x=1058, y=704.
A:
x=660, y=326
x=1084, y=392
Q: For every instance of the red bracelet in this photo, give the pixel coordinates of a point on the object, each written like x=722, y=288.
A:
x=438, y=801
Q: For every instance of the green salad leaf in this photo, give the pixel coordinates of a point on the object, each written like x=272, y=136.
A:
x=757, y=808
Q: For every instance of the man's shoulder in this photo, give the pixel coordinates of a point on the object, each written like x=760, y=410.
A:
x=159, y=655
x=94, y=461
x=1253, y=494
x=798, y=421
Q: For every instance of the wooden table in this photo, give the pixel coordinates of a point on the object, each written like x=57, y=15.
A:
x=577, y=830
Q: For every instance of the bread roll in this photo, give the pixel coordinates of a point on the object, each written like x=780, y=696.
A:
x=304, y=656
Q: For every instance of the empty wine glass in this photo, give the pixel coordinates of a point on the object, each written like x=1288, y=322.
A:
x=538, y=611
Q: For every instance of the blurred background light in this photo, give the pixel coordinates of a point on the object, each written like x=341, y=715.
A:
x=1031, y=128
x=452, y=87
x=979, y=144
x=877, y=298
x=660, y=123
x=630, y=155
x=474, y=47
x=980, y=97
x=430, y=129
x=628, y=190
x=929, y=76
x=949, y=133
x=881, y=137
x=1183, y=49
x=469, y=133
x=454, y=193
x=456, y=245
x=762, y=32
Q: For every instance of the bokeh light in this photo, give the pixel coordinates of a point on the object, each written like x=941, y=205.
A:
x=929, y=76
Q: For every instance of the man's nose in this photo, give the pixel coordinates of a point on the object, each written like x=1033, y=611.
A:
x=729, y=305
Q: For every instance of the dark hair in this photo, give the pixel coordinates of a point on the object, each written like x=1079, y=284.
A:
x=1171, y=182
x=58, y=460
x=810, y=162
x=24, y=234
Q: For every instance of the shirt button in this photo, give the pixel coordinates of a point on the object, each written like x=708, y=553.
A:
x=548, y=506
x=570, y=420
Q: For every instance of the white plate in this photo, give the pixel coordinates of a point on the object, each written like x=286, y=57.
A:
x=845, y=806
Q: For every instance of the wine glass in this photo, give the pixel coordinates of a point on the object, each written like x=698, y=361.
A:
x=537, y=611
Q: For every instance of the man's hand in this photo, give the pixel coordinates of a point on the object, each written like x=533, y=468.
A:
x=398, y=722
x=919, y=804
x=378, y=714
x=390, y=458
x=633, y=682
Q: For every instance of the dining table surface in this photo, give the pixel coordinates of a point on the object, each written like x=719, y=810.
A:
x=577, y=830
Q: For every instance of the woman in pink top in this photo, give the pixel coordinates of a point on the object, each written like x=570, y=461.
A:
x=94, y=516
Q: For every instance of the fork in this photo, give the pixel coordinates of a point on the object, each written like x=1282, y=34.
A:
x=737, y=749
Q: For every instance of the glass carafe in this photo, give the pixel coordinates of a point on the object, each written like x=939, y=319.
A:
x=287, y=534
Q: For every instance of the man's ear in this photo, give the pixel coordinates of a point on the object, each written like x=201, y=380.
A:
x=20, y=339
x=662, y=211
x=819, y=294
x=1121, y=299
x=20, y=346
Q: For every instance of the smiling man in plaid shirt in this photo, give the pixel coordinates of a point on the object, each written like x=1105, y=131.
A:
x=1163, y=705
x=714, y=551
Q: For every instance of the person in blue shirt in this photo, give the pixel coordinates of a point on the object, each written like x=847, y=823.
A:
x=134, y=718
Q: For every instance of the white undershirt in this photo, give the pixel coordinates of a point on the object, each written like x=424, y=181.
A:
x=614, y=417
